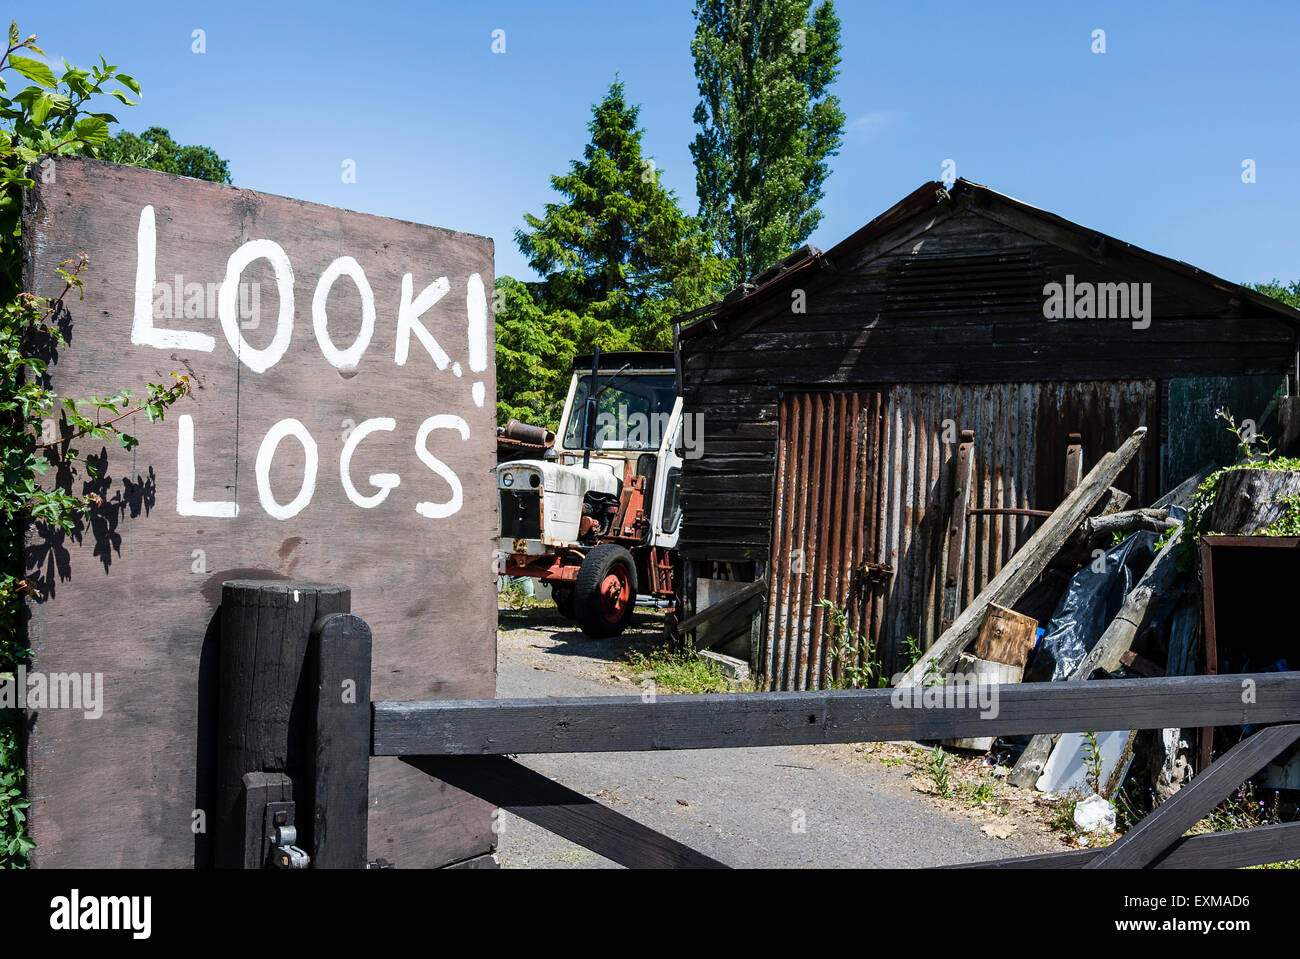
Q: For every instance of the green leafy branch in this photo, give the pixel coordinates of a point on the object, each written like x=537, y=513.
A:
x=48, y=116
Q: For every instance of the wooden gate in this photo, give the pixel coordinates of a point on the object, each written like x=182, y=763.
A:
x=309, y=808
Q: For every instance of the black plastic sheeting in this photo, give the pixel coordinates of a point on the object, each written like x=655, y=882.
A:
x=1094, y=596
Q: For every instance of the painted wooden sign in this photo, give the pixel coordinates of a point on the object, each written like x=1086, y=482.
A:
x=340, y=429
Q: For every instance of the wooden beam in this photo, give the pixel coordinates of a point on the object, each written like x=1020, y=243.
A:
x=964, y=474
x=1096, y=531
x=1235, y=849
x=1205, y=734
x=578, y=818
x=1141, y=665
x=1113, y=502
x=1073, y=463
x=265, y=631
x=724, y=606
x=1029, y=561
x=1096, y=528
x=256, y=791
x=1133, y=616
x=725, y=720
x=1142, y=844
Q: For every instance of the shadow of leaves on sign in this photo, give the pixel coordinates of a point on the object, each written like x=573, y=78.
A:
x=48, y=557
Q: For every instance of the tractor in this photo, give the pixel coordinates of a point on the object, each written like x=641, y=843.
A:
x=598, y=515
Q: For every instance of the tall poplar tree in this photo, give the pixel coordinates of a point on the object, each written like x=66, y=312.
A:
x=768, y=123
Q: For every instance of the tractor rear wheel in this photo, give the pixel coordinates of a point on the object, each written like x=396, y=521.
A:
x=563, y=597
x=605, y=594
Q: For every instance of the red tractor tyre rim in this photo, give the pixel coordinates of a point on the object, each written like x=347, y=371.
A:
x=615, y=593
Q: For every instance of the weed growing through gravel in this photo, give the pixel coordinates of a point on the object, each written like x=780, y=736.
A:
x=986, y=794
x=938, y=769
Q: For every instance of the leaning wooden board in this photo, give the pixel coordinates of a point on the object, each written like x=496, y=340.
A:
x=341, y=429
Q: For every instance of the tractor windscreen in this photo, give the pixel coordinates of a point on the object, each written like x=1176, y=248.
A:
x=632, y=410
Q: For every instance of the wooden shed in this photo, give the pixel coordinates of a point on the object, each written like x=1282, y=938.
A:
x=834, y=390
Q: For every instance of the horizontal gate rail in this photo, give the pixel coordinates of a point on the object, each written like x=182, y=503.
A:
x=627, y=723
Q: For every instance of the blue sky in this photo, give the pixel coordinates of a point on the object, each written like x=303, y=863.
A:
x=1144, y=142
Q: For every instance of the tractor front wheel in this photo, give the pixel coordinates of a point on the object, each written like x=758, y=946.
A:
x=605, y=593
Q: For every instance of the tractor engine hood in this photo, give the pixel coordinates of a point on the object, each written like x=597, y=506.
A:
x=541, y=502
x=557, y=478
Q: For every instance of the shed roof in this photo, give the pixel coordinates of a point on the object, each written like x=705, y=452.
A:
x=932, y=196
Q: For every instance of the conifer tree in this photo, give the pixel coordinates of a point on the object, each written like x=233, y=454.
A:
x=618, y=259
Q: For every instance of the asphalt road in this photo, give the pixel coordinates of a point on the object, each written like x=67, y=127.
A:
x=797, y=806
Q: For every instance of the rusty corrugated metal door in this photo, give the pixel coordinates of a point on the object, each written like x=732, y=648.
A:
x=825, y=492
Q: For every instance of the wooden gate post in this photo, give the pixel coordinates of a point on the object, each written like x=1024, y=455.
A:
x=340, y=757
x=265, y=700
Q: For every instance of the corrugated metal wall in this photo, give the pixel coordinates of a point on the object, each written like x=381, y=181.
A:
x=821, y=528
x=891, y=508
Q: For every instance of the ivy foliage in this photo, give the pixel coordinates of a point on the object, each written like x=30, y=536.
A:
x=40, y=431
x=1253, y=453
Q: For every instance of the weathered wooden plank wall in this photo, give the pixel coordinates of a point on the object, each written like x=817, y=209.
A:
x=133, y=597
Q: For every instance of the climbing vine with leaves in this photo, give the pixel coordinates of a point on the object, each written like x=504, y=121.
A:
x=41, y=431
x=1253, y=452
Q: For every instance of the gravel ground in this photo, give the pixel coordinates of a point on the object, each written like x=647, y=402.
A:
x=780, y=806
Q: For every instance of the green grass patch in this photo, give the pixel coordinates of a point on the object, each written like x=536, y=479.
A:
x=937, y=767
x=1062, y=818
x=517, y=598
x=679, y=672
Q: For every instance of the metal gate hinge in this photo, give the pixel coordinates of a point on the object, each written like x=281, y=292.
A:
x=286, y=855
x=282, y=835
